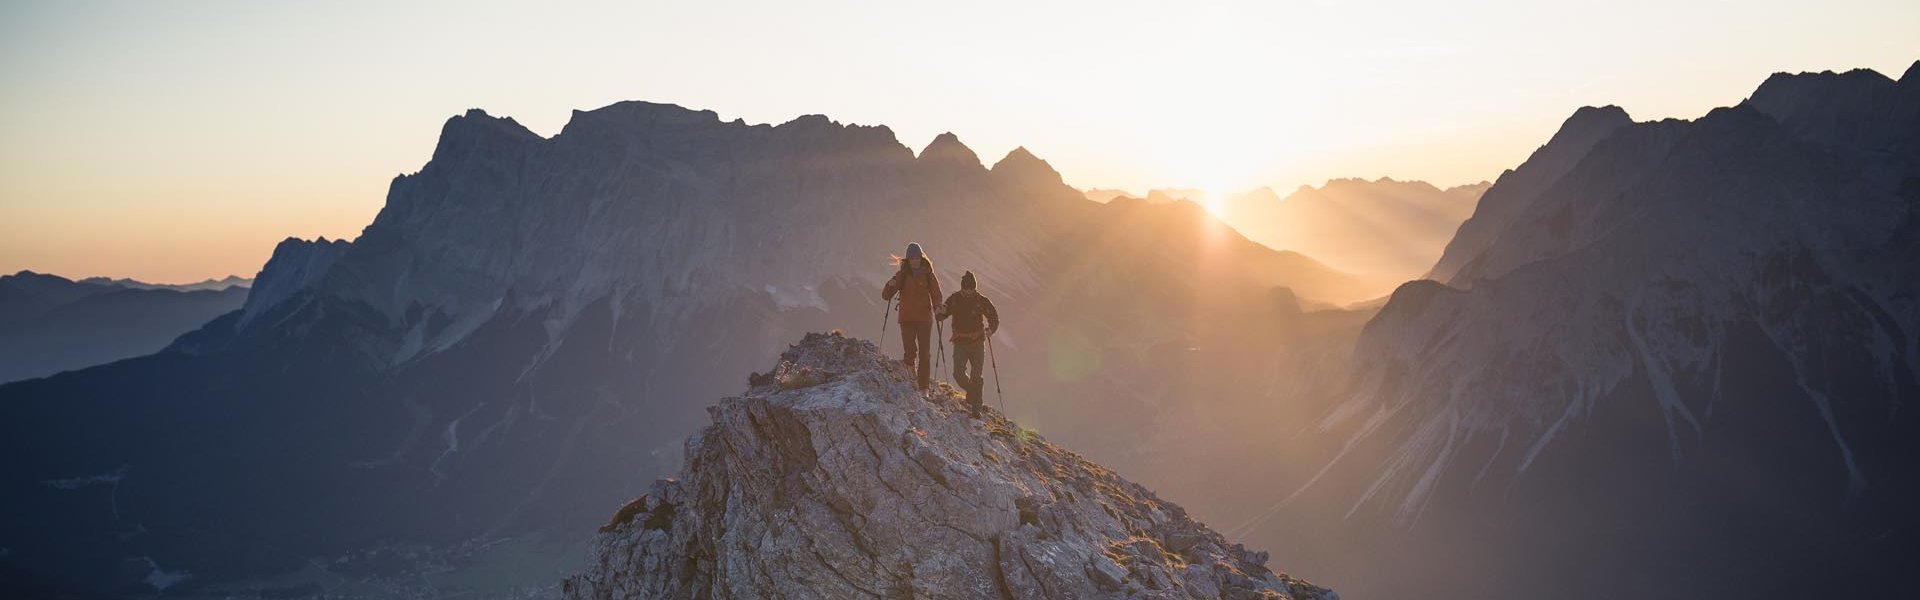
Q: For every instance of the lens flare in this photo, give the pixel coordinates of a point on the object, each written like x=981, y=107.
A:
x=1071, y=353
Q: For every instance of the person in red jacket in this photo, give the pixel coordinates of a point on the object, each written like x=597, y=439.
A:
x=919, y=290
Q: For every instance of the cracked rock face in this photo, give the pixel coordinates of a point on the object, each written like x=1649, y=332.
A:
x=832, y=477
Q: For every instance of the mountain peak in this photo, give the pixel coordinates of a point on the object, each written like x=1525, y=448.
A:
x=1020, y=154
x=1022, y=166
x=1858, y=108
x=1363, y=184
x=1476, y=187
x=1793, y=88
x=946, y=148
x=480, y=120
x=30, y=275
x=464, y=133
x=1511, y=194
x=296, y=264
x=833, y=474
x=1588, y=121
x=638, y=115
x=812, y=120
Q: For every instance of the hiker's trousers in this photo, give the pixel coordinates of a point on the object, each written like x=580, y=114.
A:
x=969, y=368
x=915, y=338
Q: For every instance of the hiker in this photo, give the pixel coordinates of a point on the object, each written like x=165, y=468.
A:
x=968, y=307
x=919, y=291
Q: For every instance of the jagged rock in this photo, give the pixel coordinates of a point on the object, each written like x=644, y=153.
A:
x=1515, y=189
x=850, y=483
x=1106, y=572
x=296, y=265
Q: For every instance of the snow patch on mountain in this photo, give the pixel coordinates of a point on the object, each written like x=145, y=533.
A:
x=802, y=297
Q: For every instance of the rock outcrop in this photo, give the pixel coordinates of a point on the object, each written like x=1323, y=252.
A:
x=832, y=477
x=296, y=265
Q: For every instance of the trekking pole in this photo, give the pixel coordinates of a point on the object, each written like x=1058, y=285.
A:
x=939, y=327
x=884, y=317
x=1002, y=396
x=940, y=338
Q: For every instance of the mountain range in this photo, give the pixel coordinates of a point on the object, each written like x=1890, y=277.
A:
x=229, y=281
x=522, y=335
x=1660, y=358
x=50, y=324
x=1383, y=231
x=1667, y=358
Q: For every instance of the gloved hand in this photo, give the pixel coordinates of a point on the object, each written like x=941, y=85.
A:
x=940, y=311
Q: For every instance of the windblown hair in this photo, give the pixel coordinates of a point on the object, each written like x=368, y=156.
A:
x=901, y=261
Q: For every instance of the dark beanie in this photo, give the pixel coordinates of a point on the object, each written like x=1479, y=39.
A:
x=914, y=251
x=966, y=280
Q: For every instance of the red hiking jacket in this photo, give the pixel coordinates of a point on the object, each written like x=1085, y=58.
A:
x=918, y=293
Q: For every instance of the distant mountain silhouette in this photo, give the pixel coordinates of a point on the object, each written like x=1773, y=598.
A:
x=50, y=324
x=209, y=284
x=1390, y=231
x=1164, y=195
x=1106, y=195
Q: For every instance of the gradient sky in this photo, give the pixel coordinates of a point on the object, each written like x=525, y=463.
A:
x=174, y=141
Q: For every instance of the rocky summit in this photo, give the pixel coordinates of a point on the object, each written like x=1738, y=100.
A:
x=832, y=477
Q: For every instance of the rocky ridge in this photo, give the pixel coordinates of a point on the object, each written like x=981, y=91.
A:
x=832, y=477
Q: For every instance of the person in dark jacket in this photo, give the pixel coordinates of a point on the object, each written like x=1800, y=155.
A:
x=974, y=319
x=919, y=290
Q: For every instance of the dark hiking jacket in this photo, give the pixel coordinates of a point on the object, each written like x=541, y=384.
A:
x=968, y=309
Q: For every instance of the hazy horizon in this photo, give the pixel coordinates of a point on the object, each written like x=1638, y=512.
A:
x=176, y=144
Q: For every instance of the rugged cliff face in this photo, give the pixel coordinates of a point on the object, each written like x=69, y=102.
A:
x=1516, y=188
x=832, y=477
